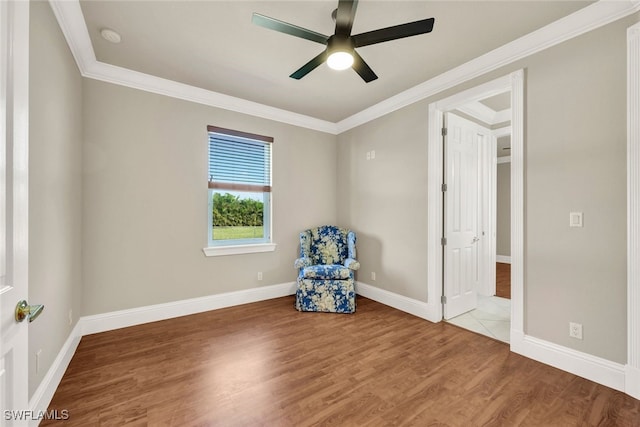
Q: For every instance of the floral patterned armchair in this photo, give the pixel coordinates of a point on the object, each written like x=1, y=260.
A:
x=326, y=270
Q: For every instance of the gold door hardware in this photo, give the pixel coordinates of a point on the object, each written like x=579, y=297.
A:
x=24, y=310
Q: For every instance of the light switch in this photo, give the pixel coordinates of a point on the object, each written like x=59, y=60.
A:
x=368, y=155
x=575, y=219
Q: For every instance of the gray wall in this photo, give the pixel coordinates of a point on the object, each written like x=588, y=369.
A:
x=145, y=199
x=55, y=209
x=574, y=161
x=503, y=209
x=385, y=199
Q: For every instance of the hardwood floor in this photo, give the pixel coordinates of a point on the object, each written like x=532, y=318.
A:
x=503, y=280
x=265, y=364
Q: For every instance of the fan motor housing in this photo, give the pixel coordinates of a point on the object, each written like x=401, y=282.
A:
x=339, y=44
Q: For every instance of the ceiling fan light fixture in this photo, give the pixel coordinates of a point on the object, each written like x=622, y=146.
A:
x=340, y=60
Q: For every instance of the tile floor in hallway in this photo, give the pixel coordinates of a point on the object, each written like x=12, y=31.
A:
x=492, y=317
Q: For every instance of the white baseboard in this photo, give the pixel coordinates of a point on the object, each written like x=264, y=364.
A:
x=44, y=393
x=503, y=259
x=614, y=375
x=153, y=313
x=408, y=305
x=611, y=374
x=632, y=381
x=584, y=365
x=136, y=316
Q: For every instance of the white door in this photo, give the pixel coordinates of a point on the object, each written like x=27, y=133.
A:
x=487, y=227
x=461, y=220
x=14, y=237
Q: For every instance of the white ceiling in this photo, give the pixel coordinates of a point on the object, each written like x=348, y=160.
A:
x=213, y=45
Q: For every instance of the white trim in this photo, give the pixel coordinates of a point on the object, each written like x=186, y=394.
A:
x=239, y=249
x=153, y=313
x=503, y=259
x=582, y=21
x=584, y=365
x=593, y=368
x=87, y=325
x=512, y=82
x=517, y=202
x=408, y=305
x=71, y=21
x=500, y=132
x=44, y=393
x=485, y=114
x=633, y=211
x=73, y=26
x=632, y=381
x=503, y=159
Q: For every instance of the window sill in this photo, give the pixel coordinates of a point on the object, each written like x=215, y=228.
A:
x=239, y=249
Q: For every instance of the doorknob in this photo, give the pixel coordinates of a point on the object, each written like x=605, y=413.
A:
x=24, y=310
x=475, y=239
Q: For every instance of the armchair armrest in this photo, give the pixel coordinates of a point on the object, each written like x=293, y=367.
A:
x=302, y=262
x=351, y=264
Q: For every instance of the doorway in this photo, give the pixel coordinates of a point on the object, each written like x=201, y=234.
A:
x=514, y=84
x=476, y=216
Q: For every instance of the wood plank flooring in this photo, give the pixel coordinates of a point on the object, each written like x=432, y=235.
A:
x=265, y=364
x=503, y=280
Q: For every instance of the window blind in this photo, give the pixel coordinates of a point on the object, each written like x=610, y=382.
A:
x=239, y=161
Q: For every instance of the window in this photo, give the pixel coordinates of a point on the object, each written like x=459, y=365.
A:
x=239, y=189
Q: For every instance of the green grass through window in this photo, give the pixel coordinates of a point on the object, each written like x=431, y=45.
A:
x=238, y=232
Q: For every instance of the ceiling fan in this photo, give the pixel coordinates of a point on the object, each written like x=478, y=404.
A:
x=340, y=53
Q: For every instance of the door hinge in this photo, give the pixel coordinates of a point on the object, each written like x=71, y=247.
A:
x=444, y=131
x=444, y=187
x=443, y=241
x=443, y=299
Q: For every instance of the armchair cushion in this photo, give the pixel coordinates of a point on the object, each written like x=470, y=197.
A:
x=330, y=272
x=328, y=245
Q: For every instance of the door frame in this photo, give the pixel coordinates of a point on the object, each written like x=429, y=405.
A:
x=15, y=57
x=632, y=368
x=513, y=82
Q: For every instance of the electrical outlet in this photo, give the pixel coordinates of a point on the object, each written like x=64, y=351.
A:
x=38, y=354
x=70, y=317
x=373, y=154
x=259, y=275
x=373, y=275
x=575, y=330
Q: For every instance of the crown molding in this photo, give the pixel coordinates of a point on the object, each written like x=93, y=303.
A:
x=582, y=21
x=71, y=21
x=148, y=83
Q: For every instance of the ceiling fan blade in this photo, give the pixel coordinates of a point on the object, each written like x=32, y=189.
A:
x=393, y=33
x=344, y=17
x=284, y=27
x=362, y=68
x=309, y=66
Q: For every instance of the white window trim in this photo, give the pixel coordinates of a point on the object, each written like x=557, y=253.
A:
x=239, y=249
